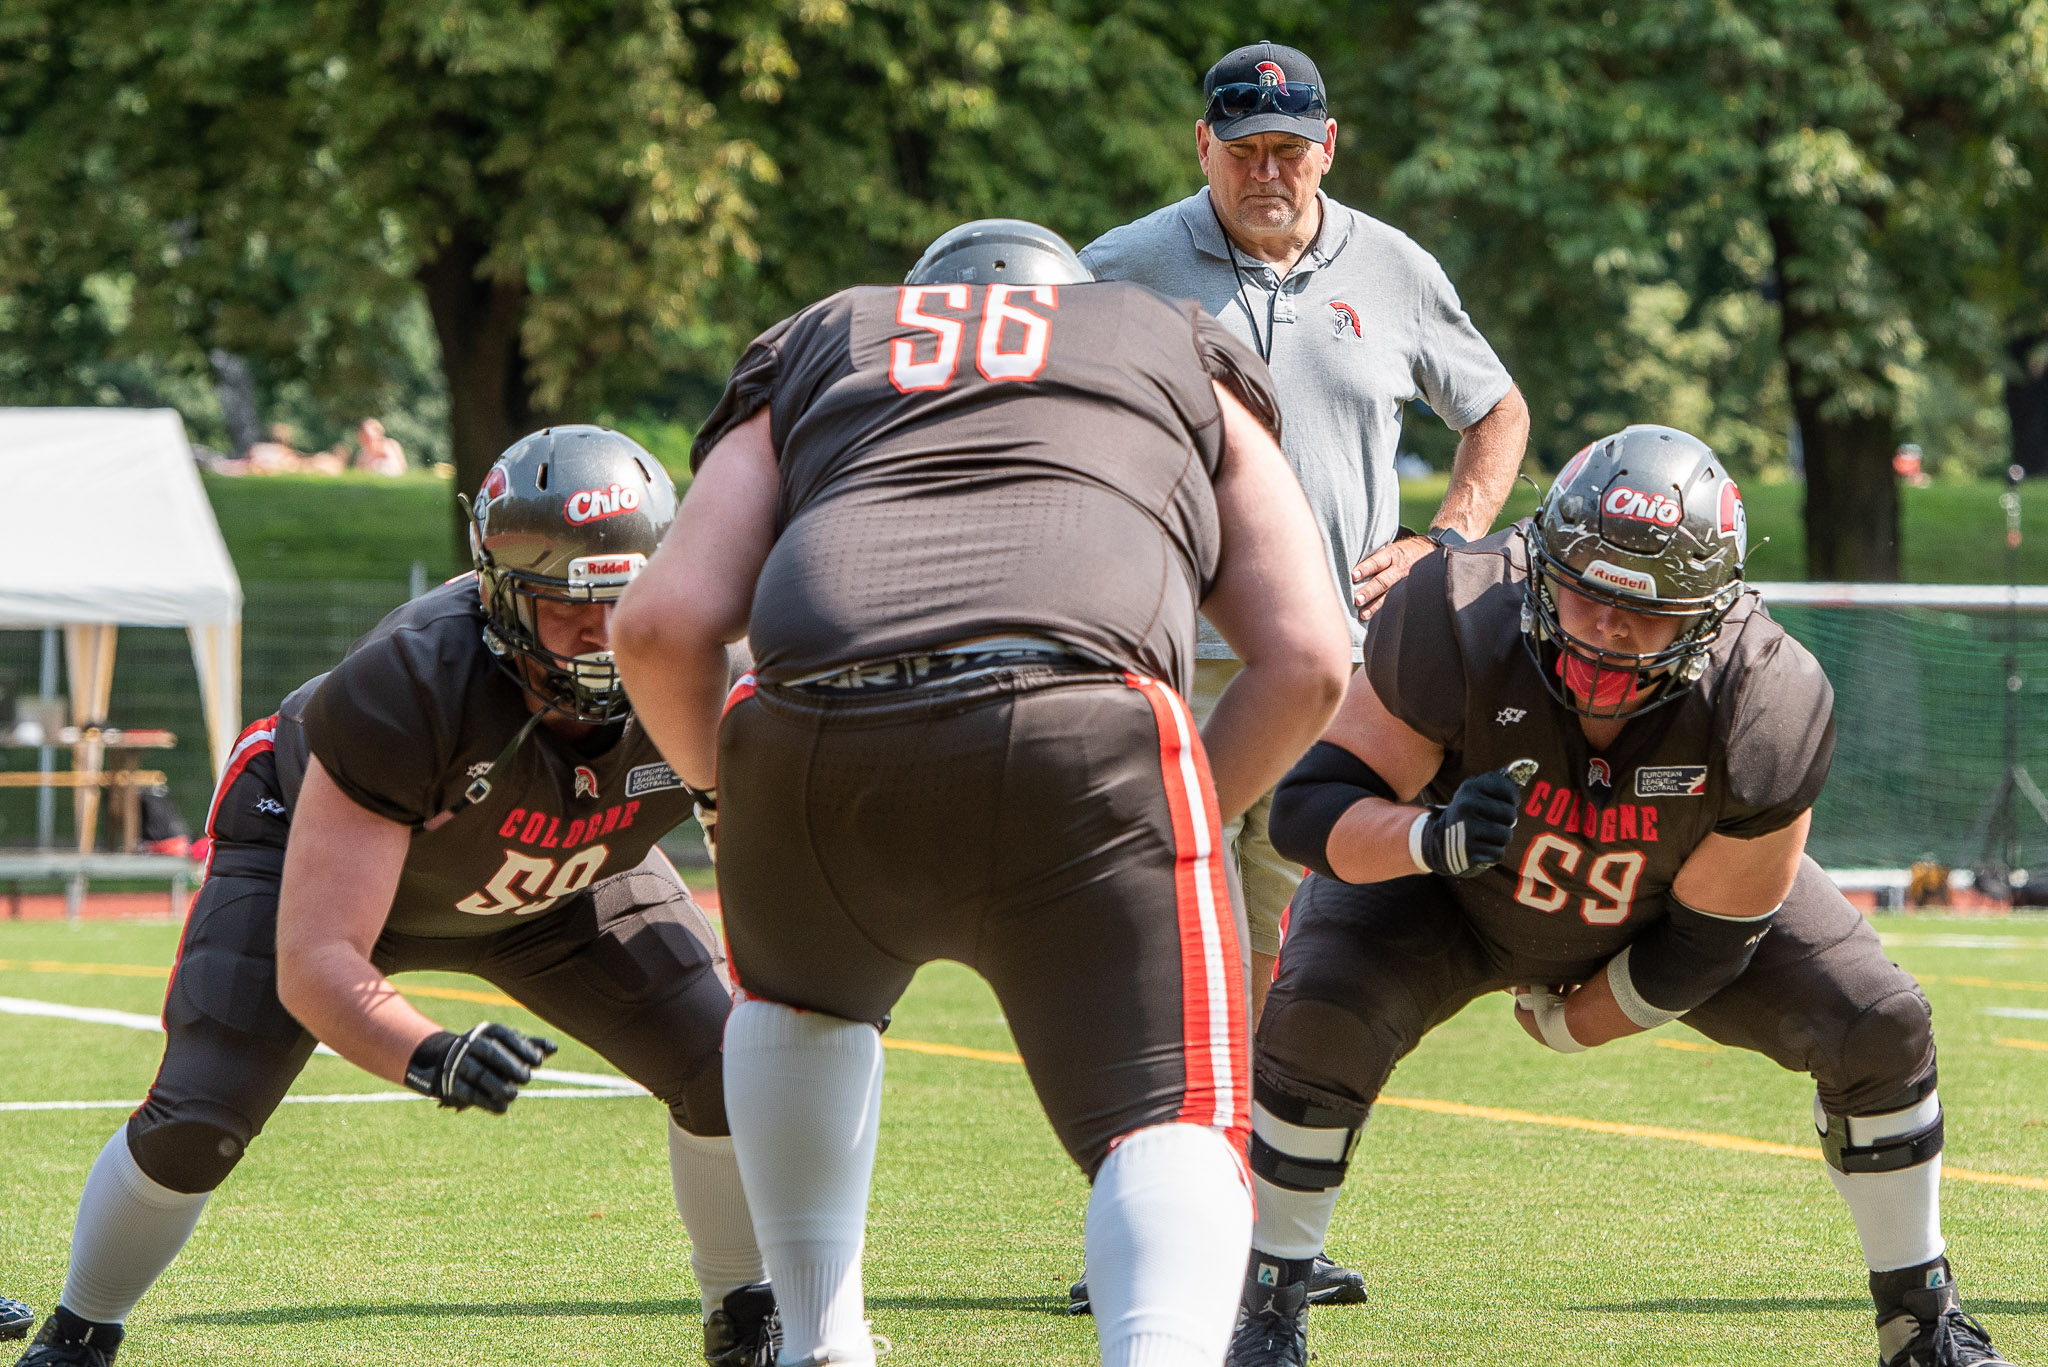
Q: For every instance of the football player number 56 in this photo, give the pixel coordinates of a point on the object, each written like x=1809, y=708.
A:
x=1611, y=879
x=1009, y=345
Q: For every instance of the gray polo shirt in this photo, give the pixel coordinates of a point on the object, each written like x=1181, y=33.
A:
x=1365, y=322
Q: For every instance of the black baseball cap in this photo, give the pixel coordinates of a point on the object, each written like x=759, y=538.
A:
x=1293, y=94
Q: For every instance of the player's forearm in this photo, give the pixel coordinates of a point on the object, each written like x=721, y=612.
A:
x=351, y=1008
x=1266, y=718
x=678, y=681
x=1483, y=471
x=1594, y=1016
x=1370, y=842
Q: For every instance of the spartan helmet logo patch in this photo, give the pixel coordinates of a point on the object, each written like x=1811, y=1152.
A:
x=1271, y=74
x=1598, y=772
x=586, y=781
x=1347, y=317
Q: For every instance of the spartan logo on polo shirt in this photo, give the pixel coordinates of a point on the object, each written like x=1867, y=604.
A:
x=650, y=778
x=1672, y=780
x=1346, y=317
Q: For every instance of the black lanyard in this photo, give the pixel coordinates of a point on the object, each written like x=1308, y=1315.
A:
x=1265, y=347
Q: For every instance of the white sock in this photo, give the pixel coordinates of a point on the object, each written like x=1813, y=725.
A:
x=804, y=1094
x=1291, y=1224
x=1897, y=1214
x=723, y=1253
x=129, y=1229
x=1169, y=1231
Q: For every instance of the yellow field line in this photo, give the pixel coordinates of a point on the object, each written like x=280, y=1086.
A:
x=2042, y=1045
x=1703, y=1138
x=918, y=1046
x=1955, y=981
x=109, y=970
x=1690, y=1046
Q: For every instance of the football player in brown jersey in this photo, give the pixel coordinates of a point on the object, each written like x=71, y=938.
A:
x=466, y=791
x=1579, y=765
x=965, y=524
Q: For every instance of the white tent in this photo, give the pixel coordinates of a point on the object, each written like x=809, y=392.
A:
x=104, y=524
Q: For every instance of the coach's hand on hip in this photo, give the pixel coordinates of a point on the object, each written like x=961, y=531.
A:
x=1373, y=576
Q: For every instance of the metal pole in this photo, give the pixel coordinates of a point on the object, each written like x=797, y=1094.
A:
x=2011, y=499
x=418, y=585
x=46, y=757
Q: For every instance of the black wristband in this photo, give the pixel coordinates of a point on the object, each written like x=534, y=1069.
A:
x=423, y=1072
x=1447, y=536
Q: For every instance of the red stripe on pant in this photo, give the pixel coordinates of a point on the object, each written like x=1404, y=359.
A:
x=1212, y=962
x=742, y=689
x=254, y=740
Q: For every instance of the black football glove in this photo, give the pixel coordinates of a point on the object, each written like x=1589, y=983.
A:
x=485, y=1067
x=1470, y=834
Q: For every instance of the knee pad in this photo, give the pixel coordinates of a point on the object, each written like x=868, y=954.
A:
x=1884, y=1061
x=187, y=1156
x=1903, y=1131
x=1299, y=1144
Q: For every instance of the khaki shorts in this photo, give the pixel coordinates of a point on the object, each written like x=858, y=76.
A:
x=1268, y=879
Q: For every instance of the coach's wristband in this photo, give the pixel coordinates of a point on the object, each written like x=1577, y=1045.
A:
x=1415, y=839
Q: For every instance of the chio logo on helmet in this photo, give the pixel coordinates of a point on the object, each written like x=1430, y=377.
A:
x=588, y=505
x=1636, y=506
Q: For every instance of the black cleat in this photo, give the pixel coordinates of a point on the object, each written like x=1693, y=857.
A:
x=1329, y=1283
x=16, y=1319
x=1274, y=1333
x=1332, y=1283
x=1920, y=1322
x=745, y=1331
x=68, y=1341
x=1272, y=1319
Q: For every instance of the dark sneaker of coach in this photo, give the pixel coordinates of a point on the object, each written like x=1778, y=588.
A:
x=1265, y=88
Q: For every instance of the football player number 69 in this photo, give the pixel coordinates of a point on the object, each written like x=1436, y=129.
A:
x=1612, y=877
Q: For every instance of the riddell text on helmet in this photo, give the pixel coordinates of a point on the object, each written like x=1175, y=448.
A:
x=588, y=505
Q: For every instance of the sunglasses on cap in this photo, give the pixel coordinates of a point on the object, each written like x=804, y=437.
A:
x=1239, y=98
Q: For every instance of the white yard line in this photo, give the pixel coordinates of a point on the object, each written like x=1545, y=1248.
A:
x=331, y=1099
x=1918, y=941
x=2018, y=1013
x=605, y=1083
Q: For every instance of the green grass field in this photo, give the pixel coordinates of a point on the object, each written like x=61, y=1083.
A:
x=377, y=1233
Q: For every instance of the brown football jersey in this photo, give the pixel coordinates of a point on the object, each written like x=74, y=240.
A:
x=1601, y=834
x=962, y=461
x=417, y=712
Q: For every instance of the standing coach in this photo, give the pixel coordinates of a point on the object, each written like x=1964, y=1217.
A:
x=1354, y=320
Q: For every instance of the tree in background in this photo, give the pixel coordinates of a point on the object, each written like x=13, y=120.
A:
x=1806, y=158
x=280, y=181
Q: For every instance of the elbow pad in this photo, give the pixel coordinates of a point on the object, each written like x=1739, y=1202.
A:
x=1682, y=961
x=1320, y=788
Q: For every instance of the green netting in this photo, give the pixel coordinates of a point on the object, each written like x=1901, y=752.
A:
x=1920, y=726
